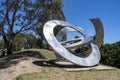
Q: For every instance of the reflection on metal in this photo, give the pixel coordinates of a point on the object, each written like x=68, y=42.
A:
x=99, y=31
x=99, y=34
x=62, y=48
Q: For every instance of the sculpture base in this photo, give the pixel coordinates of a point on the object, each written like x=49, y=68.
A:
x=68, y=66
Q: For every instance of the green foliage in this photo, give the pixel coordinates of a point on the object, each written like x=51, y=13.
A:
x=53, y=10
x=110, y=54
x=82, y=49
x=17, y=16
x=1, y=44
x=23, y=41
x=26, y=41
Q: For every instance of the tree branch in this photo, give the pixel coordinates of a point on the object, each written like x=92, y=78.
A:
x=3, y=21
x=17, y=4
x=13, y=16
x=8, y=20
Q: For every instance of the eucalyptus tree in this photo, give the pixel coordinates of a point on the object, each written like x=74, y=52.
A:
x=52, y=11
x=17, y=16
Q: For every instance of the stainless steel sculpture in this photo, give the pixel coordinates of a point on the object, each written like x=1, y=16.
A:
x=93, y=54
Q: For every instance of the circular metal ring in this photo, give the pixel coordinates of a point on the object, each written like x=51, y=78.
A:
x=90, y=60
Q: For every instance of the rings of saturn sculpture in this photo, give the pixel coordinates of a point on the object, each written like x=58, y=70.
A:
x=62, y=46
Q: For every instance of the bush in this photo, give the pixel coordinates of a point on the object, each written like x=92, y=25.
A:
x=110, y=54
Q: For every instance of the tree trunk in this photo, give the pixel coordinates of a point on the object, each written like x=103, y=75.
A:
x=8, y=44
x=9, y=48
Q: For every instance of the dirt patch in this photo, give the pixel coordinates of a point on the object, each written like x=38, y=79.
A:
x=24, y=65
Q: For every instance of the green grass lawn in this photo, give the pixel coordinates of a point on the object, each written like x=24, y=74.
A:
x=52, y=73
x=55, y=73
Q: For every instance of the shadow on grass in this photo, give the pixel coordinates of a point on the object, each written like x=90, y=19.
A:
x=35, y=54
x=52, y=63
x=14, y=58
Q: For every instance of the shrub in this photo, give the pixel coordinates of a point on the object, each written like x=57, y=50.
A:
x=110, y=54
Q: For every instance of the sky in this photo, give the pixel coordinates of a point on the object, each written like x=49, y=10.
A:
x=78, y=13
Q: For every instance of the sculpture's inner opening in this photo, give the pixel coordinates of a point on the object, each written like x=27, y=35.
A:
x=69, y=41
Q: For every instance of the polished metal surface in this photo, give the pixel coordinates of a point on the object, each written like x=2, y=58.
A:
x=94, y=55
x=99, y=31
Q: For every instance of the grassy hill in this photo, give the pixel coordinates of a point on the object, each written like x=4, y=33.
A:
x=35, y=53
x=50, y=72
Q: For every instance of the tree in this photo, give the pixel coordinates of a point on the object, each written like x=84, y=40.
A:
x=20, y=15
x=53, y=11
x=110, y=54
x=1, y=44
x=23, y=39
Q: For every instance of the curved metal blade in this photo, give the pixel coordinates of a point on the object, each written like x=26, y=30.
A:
x=99, y=34
x=99, y=31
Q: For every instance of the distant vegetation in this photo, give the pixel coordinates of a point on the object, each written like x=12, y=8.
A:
x=110, y=54
x=23, y=41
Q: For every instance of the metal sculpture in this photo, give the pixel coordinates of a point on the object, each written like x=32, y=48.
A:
x=93, y=54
